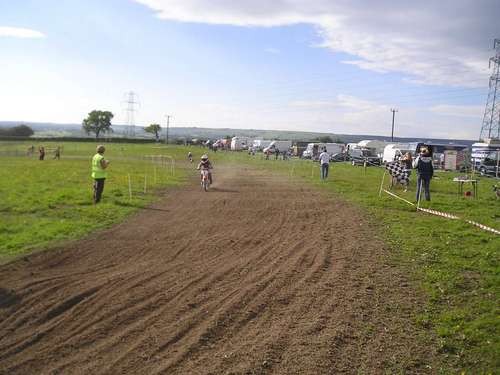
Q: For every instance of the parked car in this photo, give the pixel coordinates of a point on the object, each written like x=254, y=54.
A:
x=360, y=156
x=340, y=156
x=489, y=165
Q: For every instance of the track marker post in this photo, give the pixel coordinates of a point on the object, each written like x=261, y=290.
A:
x=382, y=184
x=419, y=194
x=129, y=188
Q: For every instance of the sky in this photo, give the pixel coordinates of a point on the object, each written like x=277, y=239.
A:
x=336, y=66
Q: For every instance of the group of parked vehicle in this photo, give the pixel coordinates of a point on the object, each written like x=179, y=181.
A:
x=482, y=157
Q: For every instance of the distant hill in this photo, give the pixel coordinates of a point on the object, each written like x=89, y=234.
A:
x=45, y=129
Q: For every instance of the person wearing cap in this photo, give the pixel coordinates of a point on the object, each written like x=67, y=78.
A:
x=99, y=165
x=205, y=164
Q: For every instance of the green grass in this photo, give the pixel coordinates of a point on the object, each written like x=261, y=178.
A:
x=44, y=202
x=456, y=264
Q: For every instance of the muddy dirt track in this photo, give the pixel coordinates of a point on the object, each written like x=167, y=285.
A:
x=260, y=275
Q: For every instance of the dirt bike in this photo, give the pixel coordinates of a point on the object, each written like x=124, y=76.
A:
x=205, y=179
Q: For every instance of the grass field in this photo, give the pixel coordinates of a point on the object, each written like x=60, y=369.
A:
x=44, y=202
x=455, y=263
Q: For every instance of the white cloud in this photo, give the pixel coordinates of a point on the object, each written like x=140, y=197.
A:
x=20, y=32
x=443, y=42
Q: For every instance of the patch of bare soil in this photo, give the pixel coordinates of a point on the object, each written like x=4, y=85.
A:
x=259, y=275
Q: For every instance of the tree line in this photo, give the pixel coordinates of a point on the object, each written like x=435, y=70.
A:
x=17, y=131
x=98, y=122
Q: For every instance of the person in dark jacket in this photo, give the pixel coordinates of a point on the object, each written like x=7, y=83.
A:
x=425, y=171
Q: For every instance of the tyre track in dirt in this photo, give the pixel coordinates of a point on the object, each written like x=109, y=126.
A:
x=260, y=275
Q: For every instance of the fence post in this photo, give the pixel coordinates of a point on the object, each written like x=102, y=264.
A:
x=129, y=188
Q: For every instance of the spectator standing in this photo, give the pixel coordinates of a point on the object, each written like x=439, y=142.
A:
x=41, y=153
x=425, y=171
x=99, y=165
x=57, y=153
x=406, y=162
x=324, y=160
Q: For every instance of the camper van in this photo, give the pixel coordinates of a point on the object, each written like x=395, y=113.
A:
x=239, y=143
x=279, y=146
x=394, y=151
x=313, y=150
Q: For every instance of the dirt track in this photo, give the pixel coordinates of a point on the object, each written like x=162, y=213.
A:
x=259, y=275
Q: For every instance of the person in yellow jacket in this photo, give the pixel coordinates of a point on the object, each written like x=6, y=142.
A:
x=99, y=165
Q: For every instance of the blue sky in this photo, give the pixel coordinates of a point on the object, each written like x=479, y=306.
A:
x=331, y=66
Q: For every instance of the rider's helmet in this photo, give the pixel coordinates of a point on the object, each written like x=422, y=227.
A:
x=204, y=157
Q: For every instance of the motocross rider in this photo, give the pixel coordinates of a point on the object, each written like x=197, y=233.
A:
x=205, y=164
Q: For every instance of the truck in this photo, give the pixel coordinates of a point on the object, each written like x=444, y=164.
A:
x=278, y=146
x=313, y=150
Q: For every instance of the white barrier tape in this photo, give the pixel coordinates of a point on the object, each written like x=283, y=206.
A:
x=446, y=215
x=439, y=213
x=484, y=227
x=398, y=197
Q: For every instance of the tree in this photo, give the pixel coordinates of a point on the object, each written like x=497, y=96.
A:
x=154, y=129
x=98, y=122
x=18, y=131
